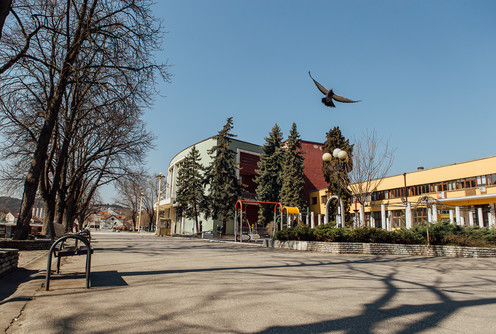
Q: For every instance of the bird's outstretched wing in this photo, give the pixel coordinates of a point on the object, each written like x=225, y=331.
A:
x=343, y=99
x=319, y=86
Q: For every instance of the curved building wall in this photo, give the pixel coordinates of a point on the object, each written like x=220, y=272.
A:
x=247, y=155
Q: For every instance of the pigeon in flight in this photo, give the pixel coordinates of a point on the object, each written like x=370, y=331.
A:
x=329, y=95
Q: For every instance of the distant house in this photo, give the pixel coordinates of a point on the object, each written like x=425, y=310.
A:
x=7, y=225
x=11, y=218
x=128, y=225
x=112, y=220
x=36, y=225
x=9, y=222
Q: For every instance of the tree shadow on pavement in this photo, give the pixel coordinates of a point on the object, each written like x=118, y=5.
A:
x=10, y=282
x=377, y=313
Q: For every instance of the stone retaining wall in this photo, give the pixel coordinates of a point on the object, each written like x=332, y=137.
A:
x=382, y=249
x=41, y=244
x=8, y=260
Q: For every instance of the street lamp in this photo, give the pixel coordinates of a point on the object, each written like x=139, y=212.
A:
x=159, y=177
x=341, y=157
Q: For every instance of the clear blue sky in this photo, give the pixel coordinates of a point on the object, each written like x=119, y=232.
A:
x=424, y=70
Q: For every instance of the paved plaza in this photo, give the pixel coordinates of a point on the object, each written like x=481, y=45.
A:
x=147, y=284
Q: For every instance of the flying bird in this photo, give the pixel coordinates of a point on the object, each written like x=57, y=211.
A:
x=329, y=95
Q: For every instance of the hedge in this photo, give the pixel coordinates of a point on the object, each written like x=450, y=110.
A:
x=441, y=233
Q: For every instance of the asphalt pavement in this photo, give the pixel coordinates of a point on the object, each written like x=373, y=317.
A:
x=147, y=284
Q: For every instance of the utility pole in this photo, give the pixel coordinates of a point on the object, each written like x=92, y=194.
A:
x=160, y=177
x=139, y=217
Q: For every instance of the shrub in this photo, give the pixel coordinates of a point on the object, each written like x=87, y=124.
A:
x=467, y=241
x=300, y=232
x=329, y=233
x=370, y=234
x=404, y=236
x=442, y=233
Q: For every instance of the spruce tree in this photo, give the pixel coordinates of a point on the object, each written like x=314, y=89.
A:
x=293, y=183
x=334, y=139
x=225, y=188
x=190, y=187
x=269, y=179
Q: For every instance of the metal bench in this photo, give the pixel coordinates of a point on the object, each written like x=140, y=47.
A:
x=70, y=245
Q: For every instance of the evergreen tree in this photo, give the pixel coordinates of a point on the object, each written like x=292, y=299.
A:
x=190, y=187
x=225, y=188
x=334, y=139
x=269, y=179
x=293, y=183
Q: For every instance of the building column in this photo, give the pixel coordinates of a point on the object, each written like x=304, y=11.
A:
x=462, y=217
x=451, y=217
x=362, y=215
x=372, y=221
x=480, y=216
x=408, y=215
x=471, y=216
x=492, y=215
x=429, y=215
x=312, y=221
x=458, y=216
x=383, y=218
x=434, y=212
x=318, y=219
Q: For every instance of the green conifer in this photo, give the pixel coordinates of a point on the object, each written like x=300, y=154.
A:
x=293, y=183
x=269, y=179
x=190, y=187
x=225, y=188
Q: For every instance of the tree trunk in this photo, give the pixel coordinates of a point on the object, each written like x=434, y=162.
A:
x=53, y=108
x=33, y=178
x=48, y=229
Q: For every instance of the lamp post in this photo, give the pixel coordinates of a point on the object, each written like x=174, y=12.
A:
x=139, y=217
x=159, y=177
x=342, y=157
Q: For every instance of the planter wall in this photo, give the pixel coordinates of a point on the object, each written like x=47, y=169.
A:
x=382, y=249
x=42, y=244
x=8, y=260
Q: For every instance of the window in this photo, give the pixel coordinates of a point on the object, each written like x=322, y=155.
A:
x=481, y=180
x=419, y=215
x=398, y=219
x=442, y=186
x=314, y=200
x=377, y=195
x=323, y=199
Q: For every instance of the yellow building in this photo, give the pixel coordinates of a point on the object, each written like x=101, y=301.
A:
x=464, y=193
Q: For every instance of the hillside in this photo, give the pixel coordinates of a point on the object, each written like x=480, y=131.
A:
x=9, y=204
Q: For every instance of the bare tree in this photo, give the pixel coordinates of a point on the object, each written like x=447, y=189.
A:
x=17, y=45
x=149, y=200
x=130, y=188
x=5, y=6
x=87, y=55
x=372, y=160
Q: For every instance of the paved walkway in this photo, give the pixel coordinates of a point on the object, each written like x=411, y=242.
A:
x=146, y=284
